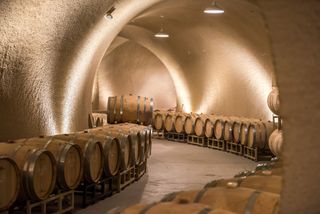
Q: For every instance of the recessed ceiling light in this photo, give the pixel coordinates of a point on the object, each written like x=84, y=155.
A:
x=214, y=9
x=161, y=33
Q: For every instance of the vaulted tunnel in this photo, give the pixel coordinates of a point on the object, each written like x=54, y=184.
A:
x=61, y=59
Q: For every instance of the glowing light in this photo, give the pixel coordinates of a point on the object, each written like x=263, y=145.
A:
x=214, y=9
x=161, y=34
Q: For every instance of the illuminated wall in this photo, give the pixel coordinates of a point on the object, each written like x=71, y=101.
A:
x=132, y=69
x=219, y=63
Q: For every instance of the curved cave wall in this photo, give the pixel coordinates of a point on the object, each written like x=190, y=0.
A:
x=219, y=64
x=50, y=52
x=132, y=69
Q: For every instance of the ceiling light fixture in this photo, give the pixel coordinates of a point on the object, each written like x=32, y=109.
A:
x=161, y=33
x=108, y=14
x=214, y=9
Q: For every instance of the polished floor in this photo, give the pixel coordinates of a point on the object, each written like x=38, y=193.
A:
x=173, y=167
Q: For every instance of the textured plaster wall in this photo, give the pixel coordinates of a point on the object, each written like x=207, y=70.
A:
x=49, y=53
x=50, y=50
x=295, y=32
x=132, y=69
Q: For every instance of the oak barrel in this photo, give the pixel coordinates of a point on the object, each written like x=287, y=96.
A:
x=158, y=120
x=238, y=200
x=134, y=138
x=228, y=128
x=189, y=123
x=126, y=159
x=173, y=208
x=218, y=128
x=258, y=134
x=244, y=130
x=274, y=101
x=132, y=109
x=179, y=122
x=199, y=127
x=68, y=157
x=38, y=169
x=265, y=183
x=92, y=153
x=209, y=126
x=276, y=142
x=169, y=122
x=10, y=181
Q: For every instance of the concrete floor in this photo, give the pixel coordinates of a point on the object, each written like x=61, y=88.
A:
x=173, y=167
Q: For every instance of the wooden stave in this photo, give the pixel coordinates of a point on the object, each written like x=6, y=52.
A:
x=26, y=158
x=7, y=204
x=87, y=144
x=231, y=199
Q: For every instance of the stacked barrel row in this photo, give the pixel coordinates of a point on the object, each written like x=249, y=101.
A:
x=246, y=131
x=32, y=169
x=256, y=191
x=276, y=139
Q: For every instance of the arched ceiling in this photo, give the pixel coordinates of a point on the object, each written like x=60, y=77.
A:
x=216, y=62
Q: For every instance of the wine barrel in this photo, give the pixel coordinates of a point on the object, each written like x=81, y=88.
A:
x=218, y=128
x=276, y=142
x=199, y=127
x=238, y=200
x=228, y=128
x=68, y=157
x=134, y=136
x=179, y=122
x=38, y=168
x=132, y=109
x=265, y=183
x=92, y=153
x=209, y=126
x=167, y=207
x=189, y=123
x=10, y=181
x=126, y=147
x=111, y=152
x=169, y=122
x=274, y=101
x=158, y=120
x=244, y=130
x=258, y=134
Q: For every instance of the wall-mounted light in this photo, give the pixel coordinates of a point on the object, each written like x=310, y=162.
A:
x=108, y=14
x=161, y=33
x=214, y=9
